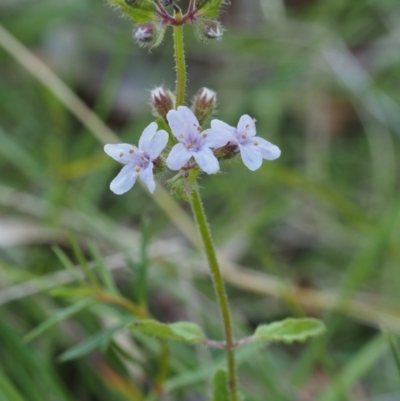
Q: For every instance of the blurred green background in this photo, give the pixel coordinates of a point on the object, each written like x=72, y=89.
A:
x=314, y=233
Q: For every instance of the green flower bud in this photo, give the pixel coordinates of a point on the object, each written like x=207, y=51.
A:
x=159, y=165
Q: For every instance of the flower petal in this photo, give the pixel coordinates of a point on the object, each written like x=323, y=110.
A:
x=147, y=136
x=251, y=158
x=187, y=115
x=206, y=160
x=124, y=181
x=121, y=152
x=157, y=144
x=182, y=123
x=146, y=175
x=218, y=124
x=178, y=156
x=267, y=149
x=217, y=138
x=176, y=124
x=246, y=126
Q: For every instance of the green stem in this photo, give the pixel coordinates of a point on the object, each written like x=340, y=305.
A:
x=219, y=287
x=201, y=221
x=179, y=62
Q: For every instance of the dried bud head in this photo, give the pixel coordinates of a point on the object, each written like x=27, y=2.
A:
x=159, y=165
x=204, y=104
x=162, y=101
x=229, y=151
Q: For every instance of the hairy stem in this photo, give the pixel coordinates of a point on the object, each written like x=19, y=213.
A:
x=201, y=221
x=219, y=287
x=179, y=61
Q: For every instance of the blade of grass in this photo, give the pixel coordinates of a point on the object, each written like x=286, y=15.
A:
x=354, y=370
x=59, y=317
x=105, y=274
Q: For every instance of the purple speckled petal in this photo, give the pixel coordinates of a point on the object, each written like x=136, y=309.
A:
x=146, y=175
x=251, y=158
x=206, y=160
x=157, y=144
x=216, y=138
x=147, y=137
x=176, y=124
x=187, y=116
x=178, y=156
x=121, y=152
x=267, y=149
x=182, y=123
x=246, y=126
x=124, y=181
x=220, y=125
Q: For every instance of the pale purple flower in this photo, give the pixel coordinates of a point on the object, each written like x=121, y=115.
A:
x=193, y=142
x=138, y=160
x=252, y=148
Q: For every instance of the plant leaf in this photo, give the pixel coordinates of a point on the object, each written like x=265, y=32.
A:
x=220, y=386
x=209, y=8
x=289, y=330
x=100, y=339
x=58, y=317
x=140, y=11
x=186, y=332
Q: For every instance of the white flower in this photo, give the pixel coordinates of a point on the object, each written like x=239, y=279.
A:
x=138, y=161
x=144, y=32
x=193, y=142
x=252, y=148
x=214, y=32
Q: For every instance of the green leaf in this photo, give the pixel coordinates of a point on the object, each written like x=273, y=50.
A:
x=140, y=11
x=220, y=386
x=71, y=292
x=94, y=342
x=181, y=331
x=289, y=330
x=104, y=273
x=209, y=8
x=183, y=186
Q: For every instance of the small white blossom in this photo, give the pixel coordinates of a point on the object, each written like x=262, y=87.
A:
x=162, y=101
x=193, y=142
x=252, y=148
x=214, y=32
x=144, y=32
x=138, y=160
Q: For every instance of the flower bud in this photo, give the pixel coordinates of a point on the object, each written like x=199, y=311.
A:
x=204, y=103
x=212, y=30
x=162, y=101
x=144, y=34
x=229, y=151
x=159, y=165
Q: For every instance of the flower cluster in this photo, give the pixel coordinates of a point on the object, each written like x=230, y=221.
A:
x=191, y=143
